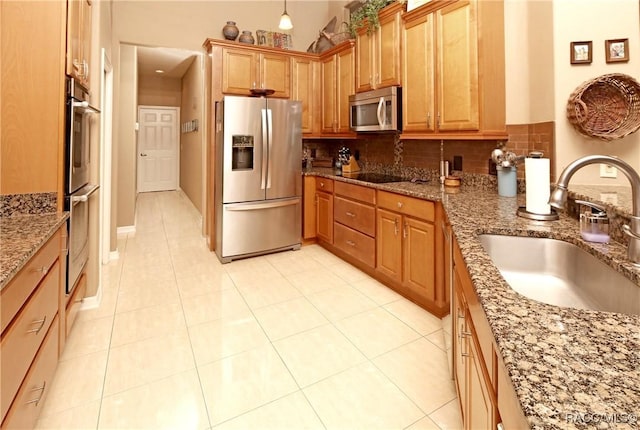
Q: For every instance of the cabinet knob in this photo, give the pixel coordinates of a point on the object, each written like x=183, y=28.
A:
x=400, y=204
x=321, y=184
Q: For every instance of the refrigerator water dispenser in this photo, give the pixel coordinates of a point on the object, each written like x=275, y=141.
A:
x=242, y=152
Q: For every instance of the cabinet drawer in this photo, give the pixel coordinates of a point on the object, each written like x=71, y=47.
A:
x=22, y=285
x=418, y=208
x=23, y=338
x=324, y=184
x=355, y=244
x=355, y=215
x=30, y=399
x=356, y=192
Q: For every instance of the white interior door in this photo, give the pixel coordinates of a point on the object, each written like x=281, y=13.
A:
x=158, y=143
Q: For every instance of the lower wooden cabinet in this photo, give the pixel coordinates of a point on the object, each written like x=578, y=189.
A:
x=474, y=375
x=324, y=209
x=406, y=247
x=28, y=402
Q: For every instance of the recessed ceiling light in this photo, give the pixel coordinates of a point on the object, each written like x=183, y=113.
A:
x=160, y=71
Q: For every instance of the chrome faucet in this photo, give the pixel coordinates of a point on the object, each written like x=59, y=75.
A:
x=558, y=196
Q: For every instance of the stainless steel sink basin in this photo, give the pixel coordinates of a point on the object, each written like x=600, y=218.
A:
x=559, y=273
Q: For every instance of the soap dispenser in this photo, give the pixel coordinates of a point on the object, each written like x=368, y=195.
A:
x=594, y=222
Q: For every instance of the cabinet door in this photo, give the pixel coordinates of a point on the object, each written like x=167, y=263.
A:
x=329, y=84
x=364, y=61
x=389, y=244
x=458, y=103
x=418, y=108
x=238, y=71
x=303, y=89
x=460, y=348
x=275, y=74
x=480, y=409
x=324, y=217
x=419, y=257
x=388, y=47
x=309, y=208
x=346, y=87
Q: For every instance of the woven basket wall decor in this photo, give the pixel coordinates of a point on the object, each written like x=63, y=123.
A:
x=607, y=107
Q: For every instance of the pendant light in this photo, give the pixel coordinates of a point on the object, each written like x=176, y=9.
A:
x=285, y=19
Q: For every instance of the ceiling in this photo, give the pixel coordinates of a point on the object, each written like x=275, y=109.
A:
x=174, y=62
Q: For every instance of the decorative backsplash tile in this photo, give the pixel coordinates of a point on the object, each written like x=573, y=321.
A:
x=28, y=204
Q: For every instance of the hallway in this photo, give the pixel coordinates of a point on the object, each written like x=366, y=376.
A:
x=293, y=340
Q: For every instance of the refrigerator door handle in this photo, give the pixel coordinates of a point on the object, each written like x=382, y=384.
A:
x=259, y=206
x=270, y=137
x=263, y=174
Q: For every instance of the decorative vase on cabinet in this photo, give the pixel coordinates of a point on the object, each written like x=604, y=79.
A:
x=246, y=37
x=230, y=31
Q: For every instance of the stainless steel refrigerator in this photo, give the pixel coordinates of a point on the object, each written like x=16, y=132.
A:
x=258, y=176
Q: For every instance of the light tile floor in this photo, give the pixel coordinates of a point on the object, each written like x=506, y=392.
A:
x=294, y=340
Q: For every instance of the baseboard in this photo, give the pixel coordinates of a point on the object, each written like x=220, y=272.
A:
x=114, y=255
x=92, y=302
x=126, y=229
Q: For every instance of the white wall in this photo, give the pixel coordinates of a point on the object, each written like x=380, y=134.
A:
x=540, y=77
x=595, y=20
x=186, y=24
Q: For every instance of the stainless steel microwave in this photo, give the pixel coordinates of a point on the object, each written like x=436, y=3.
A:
x=377, y=110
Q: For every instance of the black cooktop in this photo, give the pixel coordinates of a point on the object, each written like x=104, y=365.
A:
x=376, y=178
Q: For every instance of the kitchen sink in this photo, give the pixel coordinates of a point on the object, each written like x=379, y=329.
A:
x=559, y=273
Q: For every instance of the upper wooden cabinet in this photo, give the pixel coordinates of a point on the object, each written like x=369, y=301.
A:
x=33, y=80
x=243, y=70
x=337, y=67
x=305, y=86
x=443, y=95
x=378, y=53
x=79, y=40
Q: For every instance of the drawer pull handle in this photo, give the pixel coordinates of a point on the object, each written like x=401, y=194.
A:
x=42, y=269
x=321, y=184
x=400, y=204
x=351, y=243
x=41, y=389
x=395, y=226
x=351, y=214
x=41, y=322
x=404, y=230
x=464, y=334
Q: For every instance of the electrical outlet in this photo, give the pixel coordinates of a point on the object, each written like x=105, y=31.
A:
x=608, y=171
x=610, y=197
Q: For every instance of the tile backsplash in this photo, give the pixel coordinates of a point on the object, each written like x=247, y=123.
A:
x=387, y=152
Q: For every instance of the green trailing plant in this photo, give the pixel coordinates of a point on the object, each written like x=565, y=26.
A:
x=367, y=15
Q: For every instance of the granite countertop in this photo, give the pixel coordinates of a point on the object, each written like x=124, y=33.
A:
x=21, y=237
x=563, y=362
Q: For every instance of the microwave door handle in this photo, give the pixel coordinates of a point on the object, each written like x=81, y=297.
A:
x=381, y=118
x=263, y=174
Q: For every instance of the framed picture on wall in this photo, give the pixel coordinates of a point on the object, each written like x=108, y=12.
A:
x=616, y=50
x=581, y=52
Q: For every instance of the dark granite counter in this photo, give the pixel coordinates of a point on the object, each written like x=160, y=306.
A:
x=21, y=237
x=563, y=362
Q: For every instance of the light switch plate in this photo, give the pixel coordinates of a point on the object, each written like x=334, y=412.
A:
x=609, y=197
x=608, y=171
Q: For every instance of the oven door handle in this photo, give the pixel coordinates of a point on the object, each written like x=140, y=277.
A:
x=84, y=105
x=84, y=197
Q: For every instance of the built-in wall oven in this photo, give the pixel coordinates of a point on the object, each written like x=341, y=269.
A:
x=80, y=116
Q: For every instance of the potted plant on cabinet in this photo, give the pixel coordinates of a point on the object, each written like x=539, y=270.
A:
x=367, y=15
